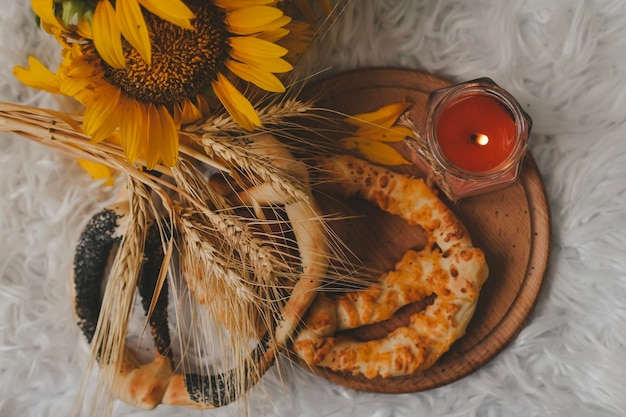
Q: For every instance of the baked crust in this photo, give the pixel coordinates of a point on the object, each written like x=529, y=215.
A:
x=448, y=268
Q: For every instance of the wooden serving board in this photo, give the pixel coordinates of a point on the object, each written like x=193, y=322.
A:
x=512, y=227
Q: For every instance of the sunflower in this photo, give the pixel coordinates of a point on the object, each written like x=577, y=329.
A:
x=107, y=24
x=147, y=100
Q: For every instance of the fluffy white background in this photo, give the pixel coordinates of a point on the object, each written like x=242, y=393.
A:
x=564, y=59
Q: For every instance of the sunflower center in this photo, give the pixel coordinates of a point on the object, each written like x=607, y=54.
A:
x=184, y=62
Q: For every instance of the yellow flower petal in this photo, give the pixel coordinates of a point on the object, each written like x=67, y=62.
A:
x=384, y=134
x=134, y=28
x=81, y=69
x=203, y=105
x=131, y=126
x=262, y=79
x=107, y=37
x=174, y=11
x=186, y=113
x=375, y=151
x=37, y=76
x=84, y=29
x=273, y=35
x=154, y=138
x=73, y=87
x=144, y=133
x=252, y=46
x=77, y=87
x=45, y=10
x=75, y=76
x=235, y=103
x=300, y=36
x=99, y=120
x=385, y=116
x=274, y=65
x=253, y=19
x=169, y=137
x=98, y=171
x=163, y=140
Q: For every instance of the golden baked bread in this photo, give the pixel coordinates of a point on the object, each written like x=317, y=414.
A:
x=448, y=268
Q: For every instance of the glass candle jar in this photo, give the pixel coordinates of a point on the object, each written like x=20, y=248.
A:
x=475, y=136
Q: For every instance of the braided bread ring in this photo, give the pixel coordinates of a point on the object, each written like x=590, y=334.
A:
x=448, y=267
x=148, y=385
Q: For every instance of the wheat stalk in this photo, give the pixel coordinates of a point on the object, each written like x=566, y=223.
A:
x=234, y=231
x=109, y=342
x=274, y=112
x=234, y=152
x=241, y=295
x=251, y=268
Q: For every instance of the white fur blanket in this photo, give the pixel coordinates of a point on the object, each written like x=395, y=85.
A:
x=562, y=59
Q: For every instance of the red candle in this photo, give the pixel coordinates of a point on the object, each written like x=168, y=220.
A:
x=473, y=139
x=476, y=133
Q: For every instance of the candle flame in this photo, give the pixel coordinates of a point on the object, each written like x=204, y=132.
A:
x=480, y=139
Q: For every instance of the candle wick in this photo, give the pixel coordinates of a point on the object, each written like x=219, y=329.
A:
x=479, y=139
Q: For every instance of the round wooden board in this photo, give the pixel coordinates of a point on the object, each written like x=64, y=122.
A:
x=512, y=227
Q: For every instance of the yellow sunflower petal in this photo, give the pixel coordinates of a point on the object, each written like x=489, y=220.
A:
x=131, y=126
x=169, y=137
x=203, y=105
x=73, y=87
x=240, y=109
x=98, y=171
x=45, y=10
x=384, y=134
x=107, y=37
x=78, y=68
x=174, y=11
x=273, y=35
x=253, y=46
x=154, y=137
x=385, y=116
x=163, y=140
x=253, y=19
x=134, y=28
x=282, y=21
x=84, y=29
x=143, y=140
x=262, y=79
x=300, y=36
x=75, y=83
x=275, y=65
x=37, y=76
x=99, y=120
x=375, y=151
x=186, y=112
